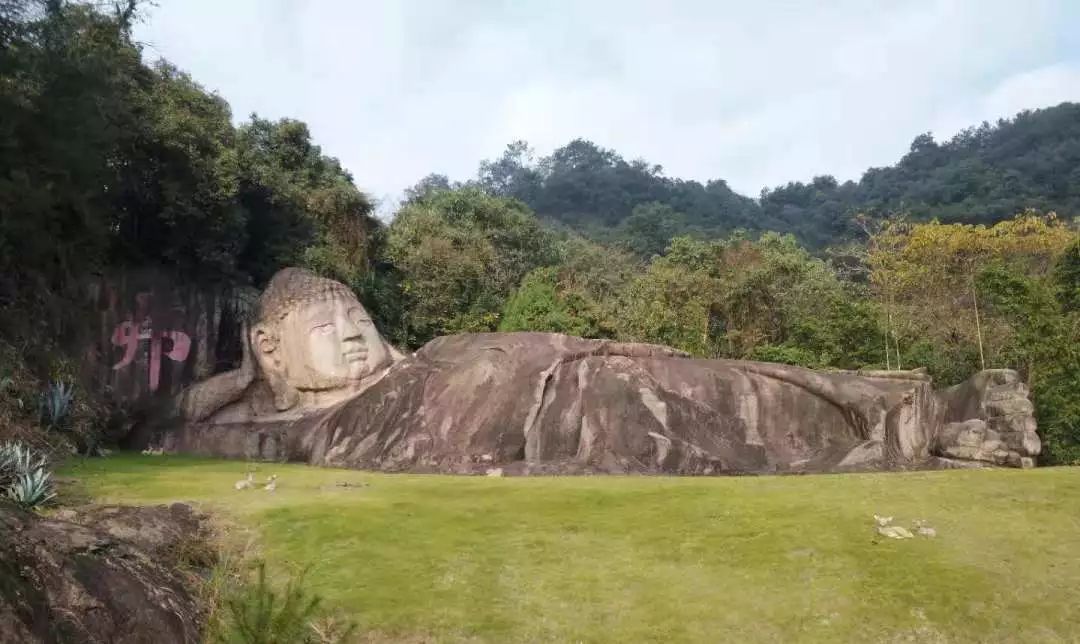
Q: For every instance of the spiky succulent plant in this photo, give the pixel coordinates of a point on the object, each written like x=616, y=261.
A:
x=56, y=403
x=24, y=475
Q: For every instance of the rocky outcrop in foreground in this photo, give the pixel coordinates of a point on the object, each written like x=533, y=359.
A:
x=114, y=582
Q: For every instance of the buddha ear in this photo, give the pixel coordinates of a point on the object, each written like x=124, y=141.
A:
x=267, y=349
x=263, y=341
x=266, y=346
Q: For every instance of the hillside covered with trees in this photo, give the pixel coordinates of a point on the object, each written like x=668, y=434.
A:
x=948, y=260
x=982, y=175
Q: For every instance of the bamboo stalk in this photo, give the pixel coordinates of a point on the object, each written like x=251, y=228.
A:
x=896, y=341
x=978, y=325
x=888, y=365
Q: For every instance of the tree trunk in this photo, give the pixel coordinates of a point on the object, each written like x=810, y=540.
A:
x=896, y=343
x=896, y=340
x=888, y=364
x=978, y=325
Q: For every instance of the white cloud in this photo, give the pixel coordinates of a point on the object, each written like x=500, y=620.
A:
x=1044, y=86
x=754, y=93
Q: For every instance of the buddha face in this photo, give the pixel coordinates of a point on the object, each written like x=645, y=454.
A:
x=334, y=342
x=320, y=345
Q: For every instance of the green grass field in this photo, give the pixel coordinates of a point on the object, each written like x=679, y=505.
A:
x=628, y=559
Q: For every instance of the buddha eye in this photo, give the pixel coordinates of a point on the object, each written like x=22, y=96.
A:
x=358, y=317
x=323, y=329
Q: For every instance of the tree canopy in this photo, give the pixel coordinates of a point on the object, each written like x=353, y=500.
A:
x=460, y=254
x=984, y=174
x=106, y=161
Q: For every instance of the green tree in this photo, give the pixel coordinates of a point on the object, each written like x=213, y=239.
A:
x=984, y=174
x=925, y=275
x=460, y=254
x=176, y=173
x=1045, y=347
x=512, y=175
x=1005, y=288
x=540, y=305
x=671, y=304
x=593, y=190
x=579, y=295
x=649, y=229
x=427, y=186
x=67, y=75
x=109, y=163
x=1067, y=278
x=302, y=206
x=766, y=299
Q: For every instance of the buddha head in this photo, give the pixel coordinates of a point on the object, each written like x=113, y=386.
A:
x=313, y=336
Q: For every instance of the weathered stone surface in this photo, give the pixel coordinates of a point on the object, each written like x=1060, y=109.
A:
x=543, y=402
x=554, y=400
x=163, y=531
x=989, y=418
x=64, y=582
x=312, y=345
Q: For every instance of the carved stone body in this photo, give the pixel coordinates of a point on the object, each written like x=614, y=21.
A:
x=542, y=402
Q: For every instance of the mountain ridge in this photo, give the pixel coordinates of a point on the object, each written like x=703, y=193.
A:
x=983, y=174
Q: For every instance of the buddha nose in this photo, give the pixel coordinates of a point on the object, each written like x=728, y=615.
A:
x=350, y=330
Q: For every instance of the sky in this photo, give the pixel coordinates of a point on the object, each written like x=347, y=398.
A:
x=757, y=93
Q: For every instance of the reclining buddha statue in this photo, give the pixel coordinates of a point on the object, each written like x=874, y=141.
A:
x=319, y=384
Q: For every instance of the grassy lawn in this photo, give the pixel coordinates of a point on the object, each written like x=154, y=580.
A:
x=620, y=559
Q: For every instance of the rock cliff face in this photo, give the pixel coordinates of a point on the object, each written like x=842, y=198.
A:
x=65, y=582
x=566, y=403
x=539, y=402
x=989, y=418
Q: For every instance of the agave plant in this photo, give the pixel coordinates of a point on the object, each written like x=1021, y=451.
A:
x=17, y=459
x=56, y=404
x=24, y=476
x=32, y=489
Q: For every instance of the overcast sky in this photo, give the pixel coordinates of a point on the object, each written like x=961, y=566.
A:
x=757, y=93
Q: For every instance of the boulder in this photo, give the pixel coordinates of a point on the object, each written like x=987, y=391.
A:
x=65, y=582
x=989, y=418
x=168, y=532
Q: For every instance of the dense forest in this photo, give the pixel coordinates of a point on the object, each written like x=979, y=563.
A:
x=953, y=259
x=982, y=175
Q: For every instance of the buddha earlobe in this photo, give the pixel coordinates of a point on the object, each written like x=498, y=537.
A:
x=285, y=397
x=263, y=341
x=265, y=344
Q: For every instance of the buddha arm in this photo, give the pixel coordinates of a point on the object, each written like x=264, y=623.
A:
x=200, y=400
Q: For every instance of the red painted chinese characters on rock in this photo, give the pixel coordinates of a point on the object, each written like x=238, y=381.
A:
x=128, y=335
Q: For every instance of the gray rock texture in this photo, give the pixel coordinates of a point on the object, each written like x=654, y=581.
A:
x=108, y=581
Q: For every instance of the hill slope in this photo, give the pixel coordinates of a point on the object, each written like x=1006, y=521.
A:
x=982, y=175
